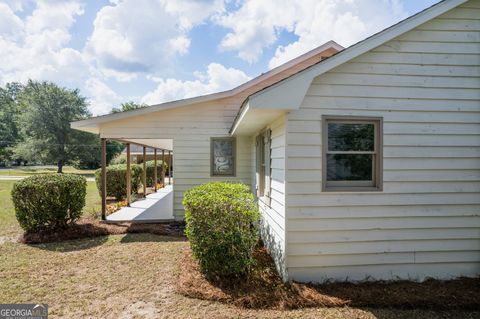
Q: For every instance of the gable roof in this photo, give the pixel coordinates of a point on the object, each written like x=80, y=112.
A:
x=241, y=92
x=297, y=84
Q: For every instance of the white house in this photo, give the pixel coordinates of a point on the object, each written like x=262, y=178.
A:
x=366, y=161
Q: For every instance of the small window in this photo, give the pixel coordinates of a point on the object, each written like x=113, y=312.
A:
x=263, y=165
x=352, y=157
x=222, y=156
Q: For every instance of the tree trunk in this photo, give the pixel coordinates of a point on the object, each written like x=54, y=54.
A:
x=60, y=166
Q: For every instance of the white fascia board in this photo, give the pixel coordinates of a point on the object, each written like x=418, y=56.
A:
x=243, y=111
x=94, y=121
x=289, y=93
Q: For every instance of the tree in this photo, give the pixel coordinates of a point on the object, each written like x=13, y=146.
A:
x=93, y=159
x=45, y=123
x=9, y=113
x=128, y=106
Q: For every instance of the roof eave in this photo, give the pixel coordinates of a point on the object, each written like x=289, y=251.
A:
x=289, y=92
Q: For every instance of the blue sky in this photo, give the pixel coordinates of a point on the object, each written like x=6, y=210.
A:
x=153, y=51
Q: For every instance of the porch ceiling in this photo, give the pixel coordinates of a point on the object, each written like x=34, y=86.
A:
x=251, y=120
x=166, y=144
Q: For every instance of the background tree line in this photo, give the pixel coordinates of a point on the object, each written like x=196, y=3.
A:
x=35, y=126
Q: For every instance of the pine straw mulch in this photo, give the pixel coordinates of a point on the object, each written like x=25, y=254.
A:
x=265, y=290
x=90, y=227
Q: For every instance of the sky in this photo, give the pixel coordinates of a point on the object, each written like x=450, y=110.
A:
x=154, y=51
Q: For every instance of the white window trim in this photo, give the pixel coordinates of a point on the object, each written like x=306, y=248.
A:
x=212, y=156
x=354, y=186
x=263, y=184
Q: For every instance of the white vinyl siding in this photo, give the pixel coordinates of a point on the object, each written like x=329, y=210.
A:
x=273, y=208
x=191, y=128
x=425, y=85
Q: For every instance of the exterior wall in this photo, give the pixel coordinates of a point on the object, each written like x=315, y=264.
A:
x=426, y=222
x=273, y=215
x=191, y=128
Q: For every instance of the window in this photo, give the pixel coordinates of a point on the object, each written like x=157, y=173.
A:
x=222, y=156
x=352, y=157
x=263, y=165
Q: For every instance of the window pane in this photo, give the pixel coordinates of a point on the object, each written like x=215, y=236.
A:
x=349, y=167
x=223, y=157
x=351, y=137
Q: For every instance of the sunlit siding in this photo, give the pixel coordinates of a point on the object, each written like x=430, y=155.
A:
x=273, y=214
x=190, y=128
x=426, y=222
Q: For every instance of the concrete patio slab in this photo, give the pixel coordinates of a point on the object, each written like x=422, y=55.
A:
x=157, y=207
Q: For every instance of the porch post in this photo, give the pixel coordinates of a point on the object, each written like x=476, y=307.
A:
x=144, y=171
x=104, y=178
x=155, y=169
x=129, y=177
x=163, y=168
x=169, y=167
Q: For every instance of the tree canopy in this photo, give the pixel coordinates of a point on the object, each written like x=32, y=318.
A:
x=128, y=106
x=45, y=125
x=9, y=112
x=35, y=126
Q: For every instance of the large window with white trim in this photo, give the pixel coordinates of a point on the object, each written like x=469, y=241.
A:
x=352, y=154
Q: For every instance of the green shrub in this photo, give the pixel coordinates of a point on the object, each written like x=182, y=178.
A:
x=151, y=169
x=117, y=180
x=49, y=201
x=119, y=159
x=222, y=227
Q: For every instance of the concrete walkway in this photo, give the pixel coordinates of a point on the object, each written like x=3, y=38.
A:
x=157, y=207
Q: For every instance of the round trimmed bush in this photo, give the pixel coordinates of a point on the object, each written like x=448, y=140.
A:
x=222, y=227
x=117, y=180
x=151, y=169
x=49, y=201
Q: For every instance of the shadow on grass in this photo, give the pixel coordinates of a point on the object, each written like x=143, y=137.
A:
x=72, y=245
x=88, y=233
x=146, y=237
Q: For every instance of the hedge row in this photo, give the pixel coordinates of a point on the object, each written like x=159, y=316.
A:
x=49, y=201
x=117, y=178
x=222, y=227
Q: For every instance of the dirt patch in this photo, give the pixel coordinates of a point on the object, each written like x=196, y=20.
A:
x=461, y=293
x=89, y=227
x=265, y=290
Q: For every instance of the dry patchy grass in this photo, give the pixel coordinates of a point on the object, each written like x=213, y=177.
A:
x=134, y=276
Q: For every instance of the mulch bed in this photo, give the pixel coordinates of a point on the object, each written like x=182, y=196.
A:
x=89, y=227
x=265, y=290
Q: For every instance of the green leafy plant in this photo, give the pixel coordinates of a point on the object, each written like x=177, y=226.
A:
x=222, y=227
x=49, y=201
x=151, y=169
x=117, y=180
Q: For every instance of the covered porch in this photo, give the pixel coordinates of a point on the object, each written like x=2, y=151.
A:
x=153, y=204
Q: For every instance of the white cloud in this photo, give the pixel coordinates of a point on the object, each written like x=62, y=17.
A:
x=216, y=78
x=256, y=25
x=16, y=5
x=100, y=96
x=35, y=47
x=141, y=36
x=11, y=26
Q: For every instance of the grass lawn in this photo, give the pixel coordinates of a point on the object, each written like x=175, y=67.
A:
x=9, y=227
x=32, y=170
x=131, y=275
